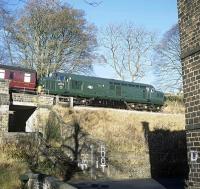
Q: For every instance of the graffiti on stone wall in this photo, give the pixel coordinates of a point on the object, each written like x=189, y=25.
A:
x=93, y=159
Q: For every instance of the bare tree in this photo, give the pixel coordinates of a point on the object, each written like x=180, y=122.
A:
x=168, y=62
x=127, y=49
x=51, y=37
x=5, y=37
x=3, y=12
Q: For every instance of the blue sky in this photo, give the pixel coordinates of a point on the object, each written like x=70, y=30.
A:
x=155, y=15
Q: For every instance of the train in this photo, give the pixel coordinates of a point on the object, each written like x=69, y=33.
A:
x=86, y=90
x=20, y=78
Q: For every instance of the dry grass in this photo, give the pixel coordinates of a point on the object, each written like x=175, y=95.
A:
x=10, y=169
x=173, y=107
x=123, y=133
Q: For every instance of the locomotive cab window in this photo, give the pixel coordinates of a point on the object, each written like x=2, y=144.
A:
x=27, y=77
x=2, y=74
x=61, y=78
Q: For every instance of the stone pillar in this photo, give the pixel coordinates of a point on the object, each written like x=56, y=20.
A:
x=4, y=117
x=189, y=24
x=4, y=106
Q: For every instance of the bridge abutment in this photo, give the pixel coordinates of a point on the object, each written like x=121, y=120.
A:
x=17, y=108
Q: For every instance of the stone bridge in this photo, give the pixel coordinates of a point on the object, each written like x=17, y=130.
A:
x=16, y=108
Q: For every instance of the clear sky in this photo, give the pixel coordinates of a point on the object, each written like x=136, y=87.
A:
x=155, y=15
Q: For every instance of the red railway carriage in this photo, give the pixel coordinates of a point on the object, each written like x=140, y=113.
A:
x=20, y=78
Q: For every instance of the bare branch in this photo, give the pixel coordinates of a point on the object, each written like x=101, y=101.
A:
x=93, y=3
x=167, y=61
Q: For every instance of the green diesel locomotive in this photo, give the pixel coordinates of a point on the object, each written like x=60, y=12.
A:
x=103, y=92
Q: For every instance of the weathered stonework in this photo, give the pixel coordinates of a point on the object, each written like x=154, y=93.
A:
x=4, y=89
x=4, y=105
x=38, y=120
x=24, y=99
x=189, y=24
x=4, y=118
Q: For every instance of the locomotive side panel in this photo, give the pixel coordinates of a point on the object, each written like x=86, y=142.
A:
x=105, y=89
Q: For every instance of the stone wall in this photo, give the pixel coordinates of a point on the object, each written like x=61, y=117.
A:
x=24, y=99
x=38, y=120
x=189, y=24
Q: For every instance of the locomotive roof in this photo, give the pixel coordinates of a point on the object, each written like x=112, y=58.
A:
x=100, y=78
x=3, y=66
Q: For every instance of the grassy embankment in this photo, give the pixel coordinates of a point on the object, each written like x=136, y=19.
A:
x=122, y=132
x=124, y=135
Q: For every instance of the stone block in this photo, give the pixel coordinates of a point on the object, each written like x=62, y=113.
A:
x=4, y=86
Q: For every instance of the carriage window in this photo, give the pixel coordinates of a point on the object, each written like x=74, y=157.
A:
x=116, y=83
x=118, y=91
x=2, y=74
x=123, y=84
x=112, y=87
x=11, y=76
x=27, y=77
